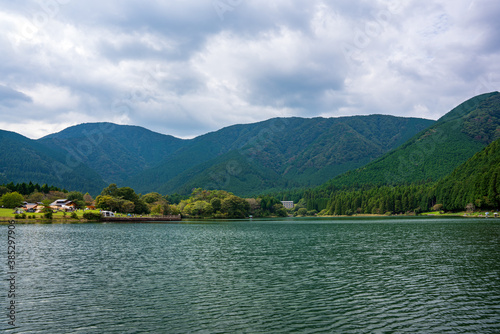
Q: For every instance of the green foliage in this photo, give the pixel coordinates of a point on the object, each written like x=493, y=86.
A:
x=27, y=188
x=435, y=152
x=270, y=206
x=122, y=199
x=152, y=198
x=373, y=200
x=235, y=207
x=92, y=216
x=175, y=198
x=25, y=160
x=116, y=152
x=281, y=154
x=302, y=212
x=483, y=124
x=35, y=197
x=74, y=215
x=221, y=204
x=199, y=209
x=48, y=215
x=77, y=198
x=157, y=210
x=74, y=196
x=477, y=181
x=4, y=190
x=46, y=206
x=12, y=200
x=277, y=154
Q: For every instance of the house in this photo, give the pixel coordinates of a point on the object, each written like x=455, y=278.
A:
x=33, y=207
x=63, y=205
x=287, y=204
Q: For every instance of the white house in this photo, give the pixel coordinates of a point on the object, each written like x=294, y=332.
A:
x=287, y=204
x=63, y=204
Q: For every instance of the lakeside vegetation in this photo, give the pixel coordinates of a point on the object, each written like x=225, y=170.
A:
x=473, y=186
x=200, y=204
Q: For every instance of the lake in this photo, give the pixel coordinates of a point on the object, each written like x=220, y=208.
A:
x=262, y=276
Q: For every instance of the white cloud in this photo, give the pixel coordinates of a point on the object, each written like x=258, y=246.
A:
x=52, y=98
x=177, y=68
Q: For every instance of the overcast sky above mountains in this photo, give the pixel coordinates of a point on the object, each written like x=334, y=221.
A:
x=188, y=67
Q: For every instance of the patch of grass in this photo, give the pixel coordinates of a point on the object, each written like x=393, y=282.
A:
x=7, y=213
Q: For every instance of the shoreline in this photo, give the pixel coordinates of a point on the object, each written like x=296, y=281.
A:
x=144, y=220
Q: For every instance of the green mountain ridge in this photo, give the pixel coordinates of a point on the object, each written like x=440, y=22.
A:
x=473, y=185
x=114, y=151
x=277, y=153
x=436, y=151
x=269, y=156
x=23, y=160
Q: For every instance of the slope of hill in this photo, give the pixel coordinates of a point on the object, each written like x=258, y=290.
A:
x=477, y=181
x=24, y=160
x=435, y=152
x=475, y=184
x=277, y=153
x=114, y=151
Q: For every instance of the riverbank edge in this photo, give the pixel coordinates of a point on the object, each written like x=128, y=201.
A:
x=7, y=220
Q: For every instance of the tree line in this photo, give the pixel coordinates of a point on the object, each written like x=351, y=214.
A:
x=474, y=185
x=28, y=188
x=200, y=204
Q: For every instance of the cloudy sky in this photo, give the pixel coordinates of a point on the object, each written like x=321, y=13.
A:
x=187, y=67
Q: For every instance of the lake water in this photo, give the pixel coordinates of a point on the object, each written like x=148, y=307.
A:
x=281, y=276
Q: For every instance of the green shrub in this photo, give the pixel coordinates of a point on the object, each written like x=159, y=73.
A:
x=74, y=215
x=48, y=215
x=302, y=212
x=93, y=216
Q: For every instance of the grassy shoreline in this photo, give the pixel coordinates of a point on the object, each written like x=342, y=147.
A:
x=60, y=219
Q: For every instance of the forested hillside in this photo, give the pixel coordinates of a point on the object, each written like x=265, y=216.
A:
x=25, y=160
x=115, y=152
x=271, y=156
x=277, y=154
x=245, y=159
x=473, y=185
x=435, y=152
x=476, y=182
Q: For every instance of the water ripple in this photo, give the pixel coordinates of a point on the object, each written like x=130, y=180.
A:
x=269, y=277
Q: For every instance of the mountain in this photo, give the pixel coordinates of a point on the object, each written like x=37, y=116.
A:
x=436, y=151
x=477, y=181
x=24, y=160
x=115, y=152
x=278, y=153
x=474, y=184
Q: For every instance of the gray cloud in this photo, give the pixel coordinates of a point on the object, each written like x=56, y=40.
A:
x=186, y=67
x=10, y=97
